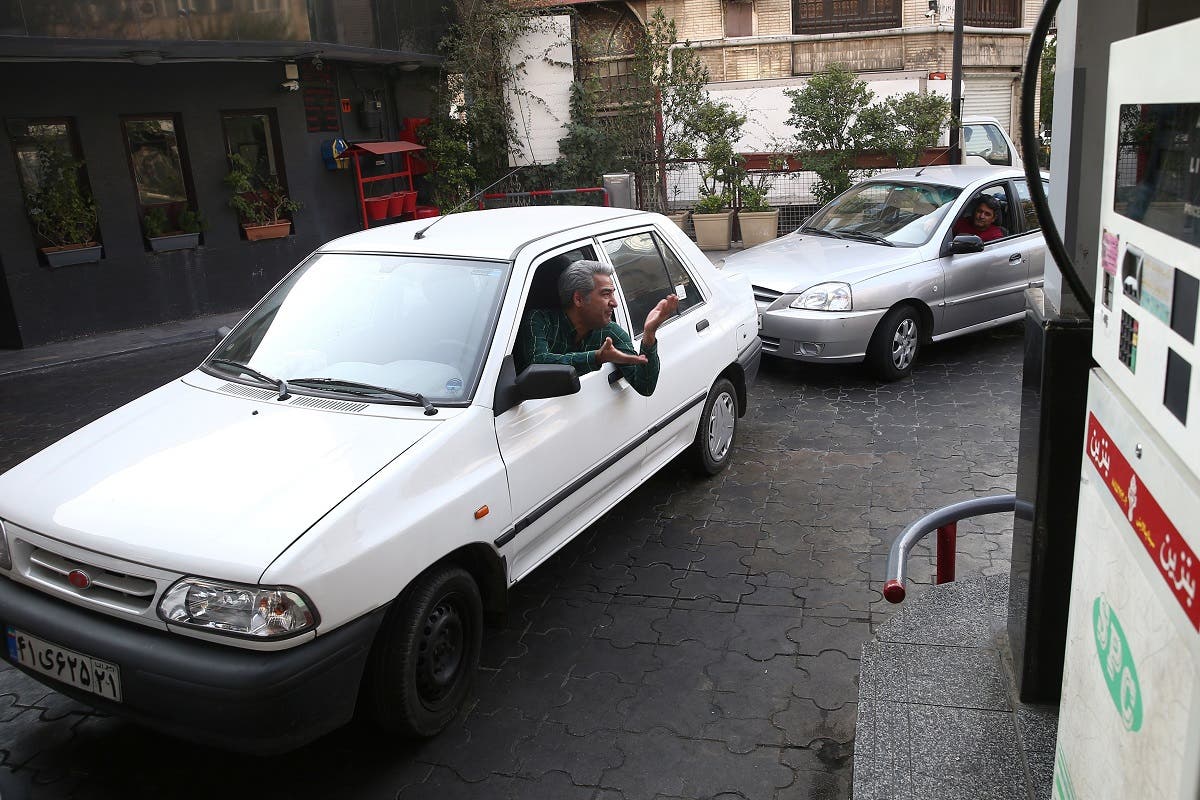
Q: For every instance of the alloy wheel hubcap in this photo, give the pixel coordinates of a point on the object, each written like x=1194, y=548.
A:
x=720, y=426
x=904, y=343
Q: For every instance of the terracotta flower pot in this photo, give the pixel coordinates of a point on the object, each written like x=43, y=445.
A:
x=713, y=231
x=758, y=226
x=273, y=230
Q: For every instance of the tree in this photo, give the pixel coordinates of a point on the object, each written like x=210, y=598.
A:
x=907, y=124
x=1049, y=57
x=715, y=126
x=830, y=133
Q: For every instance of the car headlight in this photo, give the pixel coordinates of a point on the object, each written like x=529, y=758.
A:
x=261, y=612
x=825, y=297
x=5, y=553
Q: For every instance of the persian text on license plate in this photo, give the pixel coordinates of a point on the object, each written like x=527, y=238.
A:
x=68, y=666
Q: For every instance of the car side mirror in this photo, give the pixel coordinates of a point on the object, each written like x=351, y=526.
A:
x=538, y=381
x=966, y=244
x=220, y=333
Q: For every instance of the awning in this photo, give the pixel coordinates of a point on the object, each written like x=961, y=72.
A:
x=383, y=148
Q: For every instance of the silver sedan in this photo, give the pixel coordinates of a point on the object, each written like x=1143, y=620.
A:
x=897, y=261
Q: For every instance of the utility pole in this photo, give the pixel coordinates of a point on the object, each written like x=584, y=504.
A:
x=956, y=76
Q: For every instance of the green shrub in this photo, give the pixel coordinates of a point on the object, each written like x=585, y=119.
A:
x=61, y=211
x=155, y=222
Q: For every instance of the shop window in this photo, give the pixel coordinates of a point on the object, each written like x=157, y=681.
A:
x=158, y=164
x=252, y=135
x=739, y=18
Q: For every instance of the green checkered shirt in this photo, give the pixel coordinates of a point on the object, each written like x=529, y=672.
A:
x=549, y=338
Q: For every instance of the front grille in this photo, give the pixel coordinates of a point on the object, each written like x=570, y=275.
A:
x=119, y=590
x=763, y=295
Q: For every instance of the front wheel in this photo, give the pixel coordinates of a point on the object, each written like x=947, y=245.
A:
x=718, y=425
x=426, y=654
x=895, y=343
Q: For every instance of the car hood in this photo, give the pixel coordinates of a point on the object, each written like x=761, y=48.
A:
x=196, y=481
x=794, y=262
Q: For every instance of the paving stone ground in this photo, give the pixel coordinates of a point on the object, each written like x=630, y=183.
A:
x=701, y=640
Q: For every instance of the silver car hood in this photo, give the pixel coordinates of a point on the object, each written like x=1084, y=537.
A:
x=794, y=262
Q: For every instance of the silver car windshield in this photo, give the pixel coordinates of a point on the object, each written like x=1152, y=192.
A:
x=899, y=214
x=406, y=323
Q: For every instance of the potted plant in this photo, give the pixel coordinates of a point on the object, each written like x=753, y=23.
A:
x=185, y=236
x=62, y=212
x=678, y=217
x=713, y=221
x=259, y=200
x=716, y=126
x=759, y=222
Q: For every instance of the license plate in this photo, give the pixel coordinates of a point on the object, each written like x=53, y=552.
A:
x=68, y=666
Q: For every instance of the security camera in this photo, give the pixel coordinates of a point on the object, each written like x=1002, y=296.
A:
x=290, y=86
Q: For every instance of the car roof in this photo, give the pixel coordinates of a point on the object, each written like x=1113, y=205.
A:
x=494, y=233
x=958, y=175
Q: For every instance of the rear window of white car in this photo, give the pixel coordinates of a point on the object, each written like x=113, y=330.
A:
x=409, y=323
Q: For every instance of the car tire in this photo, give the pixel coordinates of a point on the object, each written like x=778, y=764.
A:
x=426, y=654
x=895, y=344
x=718, y=427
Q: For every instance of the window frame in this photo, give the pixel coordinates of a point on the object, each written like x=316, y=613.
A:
x=745, y=9
x=172, y=207
x=1017, y=182
x=660, y=241
x=274, y=140
x=862, y=20
x=18, y=142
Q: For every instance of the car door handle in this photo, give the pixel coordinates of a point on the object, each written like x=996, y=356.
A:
x=1016, y=258
x=614, y=376
x=701, y=325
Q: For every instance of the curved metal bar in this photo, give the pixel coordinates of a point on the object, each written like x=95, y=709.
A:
x=897, y=563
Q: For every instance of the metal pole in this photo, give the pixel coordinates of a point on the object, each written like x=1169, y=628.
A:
x=956, y=75
x=947, y=536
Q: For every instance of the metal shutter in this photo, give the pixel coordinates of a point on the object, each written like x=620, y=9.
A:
x=991, y=96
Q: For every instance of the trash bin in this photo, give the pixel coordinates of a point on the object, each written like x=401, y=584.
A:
x=620, y=189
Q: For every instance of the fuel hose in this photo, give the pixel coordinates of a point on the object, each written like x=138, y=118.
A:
x=1029, y=145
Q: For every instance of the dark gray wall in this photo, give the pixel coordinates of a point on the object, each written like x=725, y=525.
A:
x=131, y=287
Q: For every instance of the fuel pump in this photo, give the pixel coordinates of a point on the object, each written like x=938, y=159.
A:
x=1129, y=719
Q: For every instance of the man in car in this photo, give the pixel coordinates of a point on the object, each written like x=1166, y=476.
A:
x=582, y=333
x=982, y=222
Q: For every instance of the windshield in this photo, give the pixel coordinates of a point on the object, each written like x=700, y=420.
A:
x=407, y=323
x=902, y=214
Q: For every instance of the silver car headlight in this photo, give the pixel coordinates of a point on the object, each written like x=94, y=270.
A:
x=5, y=553
x=825, y=297
x=260, y=612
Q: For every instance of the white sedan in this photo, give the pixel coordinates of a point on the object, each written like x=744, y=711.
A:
x=894, y=262
x=318, y=517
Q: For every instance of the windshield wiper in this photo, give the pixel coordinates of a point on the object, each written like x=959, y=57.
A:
x=820, y=232
x=870, y=237
x=279, y=383
x=366, y=390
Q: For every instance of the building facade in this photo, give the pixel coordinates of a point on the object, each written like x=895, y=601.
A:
x=150, y=98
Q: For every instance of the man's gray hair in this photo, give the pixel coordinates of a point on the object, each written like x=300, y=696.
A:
x=578, y=278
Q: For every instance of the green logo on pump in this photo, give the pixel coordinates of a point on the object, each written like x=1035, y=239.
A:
x=1116, y=662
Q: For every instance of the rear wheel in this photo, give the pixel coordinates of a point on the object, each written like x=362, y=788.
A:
x=718, y=426
x=426, y=654
x=895, y=343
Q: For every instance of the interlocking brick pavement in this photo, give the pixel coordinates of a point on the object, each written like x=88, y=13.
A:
x=701, y=640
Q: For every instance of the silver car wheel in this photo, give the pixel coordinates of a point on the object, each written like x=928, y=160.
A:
x=721, y=420
x=904, y=343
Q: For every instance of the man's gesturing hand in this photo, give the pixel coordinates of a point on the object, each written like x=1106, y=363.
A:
x=608, y=354
x=659, y=314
